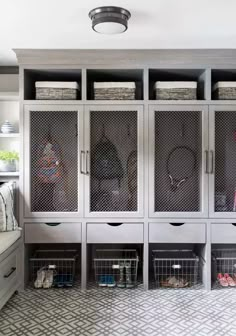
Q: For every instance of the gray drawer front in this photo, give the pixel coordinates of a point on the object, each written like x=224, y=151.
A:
x=186, y=233
x=124, y=233
x=222, y=233
x=43, y=233
x=8, y=273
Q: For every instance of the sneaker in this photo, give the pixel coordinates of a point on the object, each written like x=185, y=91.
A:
x=230, y=280
x=40, y=278
x=48, y=281
x=121, y=281
x=222, y=280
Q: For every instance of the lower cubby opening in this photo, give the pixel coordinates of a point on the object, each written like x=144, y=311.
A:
x=54, y=266
x=223, y=266
x=176, y=266
x=115, y=266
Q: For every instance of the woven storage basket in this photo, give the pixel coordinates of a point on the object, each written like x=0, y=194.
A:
x=175, y=90
x=56, y=90
x=224, y=91
x=114, y=90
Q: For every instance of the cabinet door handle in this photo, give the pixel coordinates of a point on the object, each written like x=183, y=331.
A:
x=114, y=224
x=212, y=162
x=87, y=162
x=82, y=162
x=176, y=224
x=206, y=162
x=13, y=269
x=52, y=224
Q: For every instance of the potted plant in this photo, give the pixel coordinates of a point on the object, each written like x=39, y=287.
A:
x=8, y=161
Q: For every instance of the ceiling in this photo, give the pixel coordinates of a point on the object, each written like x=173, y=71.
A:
x=154, y=24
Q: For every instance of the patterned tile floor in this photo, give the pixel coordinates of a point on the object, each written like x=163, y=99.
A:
x=117, y=312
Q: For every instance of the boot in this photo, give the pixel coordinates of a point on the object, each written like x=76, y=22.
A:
x=121, y=281
x=129, y=282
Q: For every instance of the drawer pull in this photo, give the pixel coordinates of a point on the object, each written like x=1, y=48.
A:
x=176, y=266
x=234, y=224
x=52, y=224
x=13, y=269
x=114, y=224
x=176, y=224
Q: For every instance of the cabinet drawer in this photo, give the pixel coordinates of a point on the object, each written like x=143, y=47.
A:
x=52, y=233
x=8, y=273
x=115, y=233
x=223, y=233
x=177, y=233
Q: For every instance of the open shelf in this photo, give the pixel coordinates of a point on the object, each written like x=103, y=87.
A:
x=222, y=75
x=9, y=174
x=9, y=135
x=63, y=75
x=170, y=75
x=176, y=266
x=115, y=75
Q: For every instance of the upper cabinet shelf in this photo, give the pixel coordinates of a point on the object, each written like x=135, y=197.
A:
x=223, y=84
x=192, y=86
x=115, y=84
x=31, y=76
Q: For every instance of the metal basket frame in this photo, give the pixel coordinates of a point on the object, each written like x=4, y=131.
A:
x=224, y=261
x=116, y=267
x=62, y=261
x=176, y=268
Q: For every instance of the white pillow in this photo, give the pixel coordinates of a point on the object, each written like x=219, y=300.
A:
x=7, y=217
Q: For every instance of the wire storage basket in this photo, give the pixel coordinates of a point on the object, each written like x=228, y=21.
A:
x=223, y=262
x=61, y=262
x=116, y=267
x=175, y=268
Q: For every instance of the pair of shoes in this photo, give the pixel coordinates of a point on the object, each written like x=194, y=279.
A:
x=226, y=280
x=125, y=278
x=106, y=281
x=44, y=278
x=174, y=282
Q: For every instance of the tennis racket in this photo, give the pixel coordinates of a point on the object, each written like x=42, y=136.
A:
x=181, y=163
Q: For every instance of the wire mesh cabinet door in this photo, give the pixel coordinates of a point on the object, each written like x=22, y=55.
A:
x=53, y=155
x=222, y=191
x=178, y=161
x=114, y=161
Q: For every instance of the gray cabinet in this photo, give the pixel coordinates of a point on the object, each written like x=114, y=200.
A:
x=52, y=233
x=177, y=233
x=114, y=161
x=223, y=161
x=54, y=161
x=115, y=233
x=178, y=143
x=223, y=233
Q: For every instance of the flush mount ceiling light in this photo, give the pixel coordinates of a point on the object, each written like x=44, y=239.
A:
x=109, y=19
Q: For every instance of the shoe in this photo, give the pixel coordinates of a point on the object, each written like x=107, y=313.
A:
x=111, y=281
x=222, y=280
x=121, y=281
x=230, y=280
x=40, y=278
x=129, y=282
x=48, y=281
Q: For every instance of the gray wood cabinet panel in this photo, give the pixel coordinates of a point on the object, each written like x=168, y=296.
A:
x=223, y=233
x=185, y=233
x=8, y=273
x=52, y=233
x=123, y=233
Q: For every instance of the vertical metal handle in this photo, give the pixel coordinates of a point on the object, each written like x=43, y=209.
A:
x=87, y=162
x=212, y=162
x=82, y=162
x=206, y=162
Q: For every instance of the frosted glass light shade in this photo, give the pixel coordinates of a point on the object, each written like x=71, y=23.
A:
x=109, y=19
